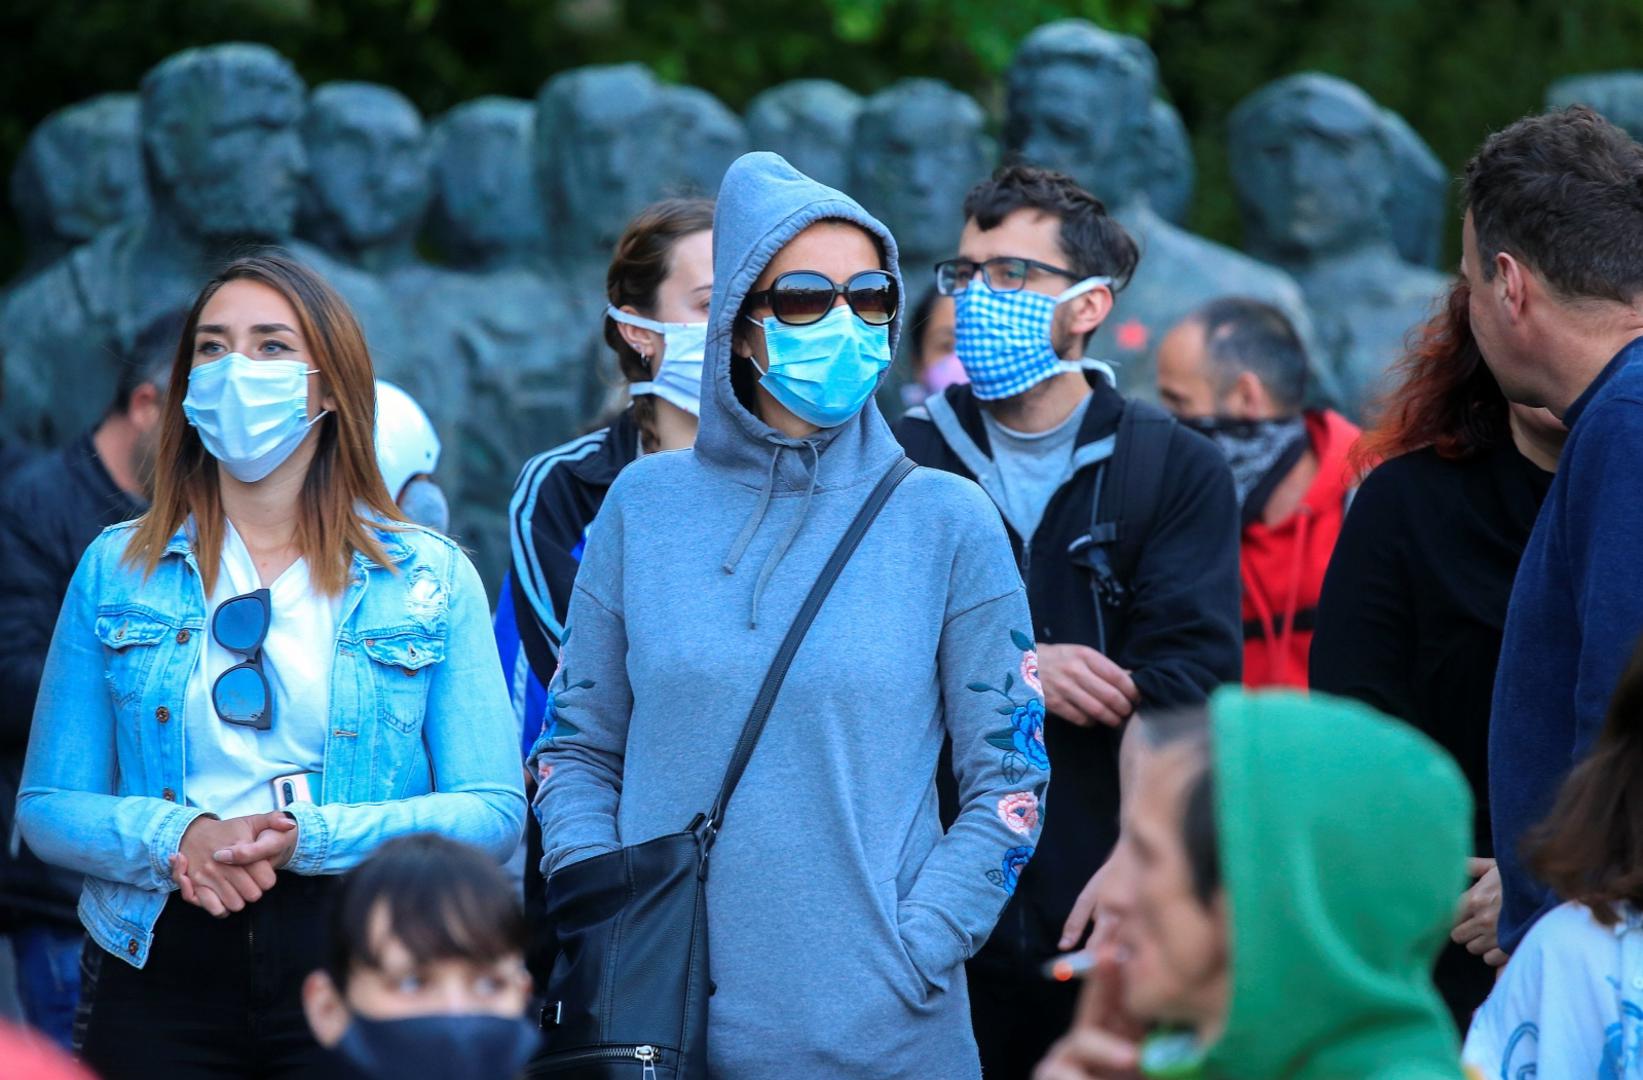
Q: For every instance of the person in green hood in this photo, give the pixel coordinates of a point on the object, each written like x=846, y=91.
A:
x=1284, y=878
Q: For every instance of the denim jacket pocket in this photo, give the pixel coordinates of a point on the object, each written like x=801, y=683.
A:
x=402, y=663
x=131, y=636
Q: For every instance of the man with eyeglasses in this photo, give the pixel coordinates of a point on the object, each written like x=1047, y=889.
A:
x=1125, y=528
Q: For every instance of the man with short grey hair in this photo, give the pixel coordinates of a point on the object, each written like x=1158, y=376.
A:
x=1236, y=370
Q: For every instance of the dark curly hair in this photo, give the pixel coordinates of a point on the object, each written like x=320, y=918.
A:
x=1093, y=241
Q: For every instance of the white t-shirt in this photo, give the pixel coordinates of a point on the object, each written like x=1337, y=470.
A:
x=229, y=767
x=1570, y=1003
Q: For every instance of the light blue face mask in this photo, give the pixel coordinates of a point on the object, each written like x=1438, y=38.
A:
x=824, y=373
x=251, y=414
x=1005, y=340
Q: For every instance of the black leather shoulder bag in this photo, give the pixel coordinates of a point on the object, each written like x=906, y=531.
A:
x=627, y=998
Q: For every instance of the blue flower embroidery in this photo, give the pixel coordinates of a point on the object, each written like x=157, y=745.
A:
x=1027, y=733
x=1023, y=741
x=1015, y=860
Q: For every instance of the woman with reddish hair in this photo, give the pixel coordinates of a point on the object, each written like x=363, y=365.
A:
x=1414, y=602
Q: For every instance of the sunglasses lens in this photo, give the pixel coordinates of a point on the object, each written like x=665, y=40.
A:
x=240, y=624
x=240, y=695
x=801, y=298
x=873, y=298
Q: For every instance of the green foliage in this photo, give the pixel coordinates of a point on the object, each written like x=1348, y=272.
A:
x=1456, y=70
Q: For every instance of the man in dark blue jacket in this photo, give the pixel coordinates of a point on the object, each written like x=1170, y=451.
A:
x=1552, y=250
x=1125, y=529
x=50, y=510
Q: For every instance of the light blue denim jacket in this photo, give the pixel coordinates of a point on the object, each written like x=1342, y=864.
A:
x=421, y=731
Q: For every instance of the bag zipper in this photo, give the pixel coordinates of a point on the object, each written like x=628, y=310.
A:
x=644, y=1053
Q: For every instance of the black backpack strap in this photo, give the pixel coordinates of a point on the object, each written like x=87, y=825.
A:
x=1124, y=503
x=762, y=704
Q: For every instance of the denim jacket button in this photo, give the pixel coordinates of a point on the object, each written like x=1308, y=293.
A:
x=182, y=637
x=168, y=795
x=118, y=634
x=162, y=714
x=131, y=947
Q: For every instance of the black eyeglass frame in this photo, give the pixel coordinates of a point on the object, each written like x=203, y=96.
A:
x=767, y=297
x=951, y=267
x=253, y=661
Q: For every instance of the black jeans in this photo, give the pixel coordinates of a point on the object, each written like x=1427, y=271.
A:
x=1016, y=1017
x=218, y=997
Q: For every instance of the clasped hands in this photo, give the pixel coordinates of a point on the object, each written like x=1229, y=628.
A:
x=222, y=866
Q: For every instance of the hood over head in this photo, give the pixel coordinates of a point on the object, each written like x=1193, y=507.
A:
x=1343, y=843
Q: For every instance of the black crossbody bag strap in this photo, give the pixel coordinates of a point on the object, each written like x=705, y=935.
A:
x=795, y=637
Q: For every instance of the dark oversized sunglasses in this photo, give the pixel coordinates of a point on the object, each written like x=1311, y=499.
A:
x=1003, y=274
x=241, y=695
x=802, y=297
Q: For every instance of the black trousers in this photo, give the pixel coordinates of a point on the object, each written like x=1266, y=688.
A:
x=1017, y=1018
x=218, y=997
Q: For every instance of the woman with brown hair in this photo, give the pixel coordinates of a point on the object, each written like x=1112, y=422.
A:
x=250, y=688
x=1414, y=602
x=1571, y=1001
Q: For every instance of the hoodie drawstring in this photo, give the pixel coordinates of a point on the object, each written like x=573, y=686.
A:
x=785, y=542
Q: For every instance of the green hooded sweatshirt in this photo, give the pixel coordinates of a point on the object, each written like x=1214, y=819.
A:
x=1343, y=844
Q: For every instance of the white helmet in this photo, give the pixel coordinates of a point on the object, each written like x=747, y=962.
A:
x=406, y=443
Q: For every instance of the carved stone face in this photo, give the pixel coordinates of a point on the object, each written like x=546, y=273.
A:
x=707, y=137
x=1311, y=165
x=485, y=200
x=220, y=125
x=81, y=171
x=1618, y=95
x=919, y=149
x=811, y=123
x=1062, y=119
x=368, y=165
x=602, y=140
x=1170, y=168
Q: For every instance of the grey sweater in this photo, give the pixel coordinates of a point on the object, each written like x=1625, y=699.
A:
x=839, y=914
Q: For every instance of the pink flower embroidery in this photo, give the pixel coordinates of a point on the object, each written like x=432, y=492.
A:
x=543, y=771
x=1019, y=811
x=1029, y=671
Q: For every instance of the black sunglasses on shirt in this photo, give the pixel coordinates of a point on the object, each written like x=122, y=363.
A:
x=241, y=695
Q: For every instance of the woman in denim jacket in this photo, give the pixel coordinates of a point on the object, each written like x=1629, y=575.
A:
x=253, y=686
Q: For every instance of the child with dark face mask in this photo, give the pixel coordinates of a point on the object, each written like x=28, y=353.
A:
x=425, y=973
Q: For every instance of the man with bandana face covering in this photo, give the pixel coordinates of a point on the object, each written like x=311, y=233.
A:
x=1236, y=370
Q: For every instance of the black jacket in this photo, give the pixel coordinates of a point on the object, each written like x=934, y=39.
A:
x=1178, y=632
x=50, y=511
x=557, y=496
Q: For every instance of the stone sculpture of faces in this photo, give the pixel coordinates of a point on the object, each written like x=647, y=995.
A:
x=368, y=163
x=706, y=137
x=603, y=144
x=221, y=142
x=486, y=209
x=80, y=171
x=1170, y=172
x=1080, y=101
x=920, y=147
x=1420, y=193
x=811, y=123
x=1618, y=95
x=1312, y=167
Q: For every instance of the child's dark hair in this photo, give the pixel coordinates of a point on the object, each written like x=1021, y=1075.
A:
x=1590, y=847
x=444, y=901
x=643, y=259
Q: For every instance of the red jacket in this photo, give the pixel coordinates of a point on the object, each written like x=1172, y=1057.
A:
x=1283, y=565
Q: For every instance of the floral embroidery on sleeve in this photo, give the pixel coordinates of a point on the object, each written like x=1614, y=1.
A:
x=1023, y=746
x=1019, y=811
x=553, y=724
x=1015, y=860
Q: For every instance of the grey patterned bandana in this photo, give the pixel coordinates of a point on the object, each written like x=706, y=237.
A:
x=1255, y=449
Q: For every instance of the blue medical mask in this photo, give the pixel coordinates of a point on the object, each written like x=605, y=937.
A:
x=824, y=372
x=1005, y=339
x=251, y=414
x=684, y=349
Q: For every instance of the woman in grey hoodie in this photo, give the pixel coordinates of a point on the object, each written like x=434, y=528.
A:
x=839, y=914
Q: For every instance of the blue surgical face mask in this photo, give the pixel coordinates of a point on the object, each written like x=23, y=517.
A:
x=824, y=372
x=1006, y=340
x=450, y=1046
x=684, y=349
x=251, y=414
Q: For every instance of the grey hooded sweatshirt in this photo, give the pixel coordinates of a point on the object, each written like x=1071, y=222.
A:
x=839, y=914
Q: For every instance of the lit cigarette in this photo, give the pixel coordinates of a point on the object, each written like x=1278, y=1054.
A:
x=1069, y=966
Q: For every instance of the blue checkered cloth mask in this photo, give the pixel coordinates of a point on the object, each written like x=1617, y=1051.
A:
x=1004, y=338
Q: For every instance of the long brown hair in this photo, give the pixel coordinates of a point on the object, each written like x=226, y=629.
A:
x=342, y=482
x=1590, y=848
x=1445, y=396
x=643, y=260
